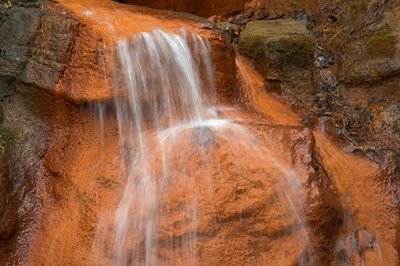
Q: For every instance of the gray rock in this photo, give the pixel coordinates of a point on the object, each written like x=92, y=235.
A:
x=35, y=44
x=15, y=34
x=49, y=52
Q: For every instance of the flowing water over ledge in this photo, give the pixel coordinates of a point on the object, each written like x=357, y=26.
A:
x=170, y=176
x=170, y=134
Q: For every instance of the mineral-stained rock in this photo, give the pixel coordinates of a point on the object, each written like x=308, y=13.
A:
x=387, y=124
x=6, y=221
x=63, y=165
x=50, y=50
x=241, y=188
x=282, y=40
x=357, y=248
x=52, y=55
x=372, y=70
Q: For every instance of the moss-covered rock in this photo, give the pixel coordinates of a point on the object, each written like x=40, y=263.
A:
x=284, y=43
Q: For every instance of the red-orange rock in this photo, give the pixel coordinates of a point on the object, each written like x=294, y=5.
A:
x=66, y=169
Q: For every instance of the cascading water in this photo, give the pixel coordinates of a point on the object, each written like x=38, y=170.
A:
x=164, y=88
x=170, y=136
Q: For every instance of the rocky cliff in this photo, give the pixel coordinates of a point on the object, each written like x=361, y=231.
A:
x=318, y=79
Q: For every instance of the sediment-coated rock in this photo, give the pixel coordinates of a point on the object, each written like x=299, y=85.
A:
x=242, y=218
x=51, y=59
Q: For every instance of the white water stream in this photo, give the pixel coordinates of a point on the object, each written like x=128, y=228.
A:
x=165, y=96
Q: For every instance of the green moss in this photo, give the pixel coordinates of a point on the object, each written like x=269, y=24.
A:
x=252, y=45
x=382, y=43
x=281, y=42
x=293, y=50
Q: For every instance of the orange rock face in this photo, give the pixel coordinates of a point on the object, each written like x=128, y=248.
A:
x=241, y=218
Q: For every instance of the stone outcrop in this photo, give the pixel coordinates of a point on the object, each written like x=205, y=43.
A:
x=52, y=61
x=341, y=168
x=283, y=42
x=284, y=50
x=37, y=43
x=58, y=51
x=46, y=48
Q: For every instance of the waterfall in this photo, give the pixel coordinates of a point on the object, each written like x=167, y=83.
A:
x=170, y=139
x=163, y=88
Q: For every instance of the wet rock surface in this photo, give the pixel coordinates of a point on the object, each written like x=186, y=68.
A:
x=354, y=248
x=7, y=200
x=241, y=218
x=54, y=160
x=48, y=54
x=7, y=208
x=25, y=135
x=285, y=42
